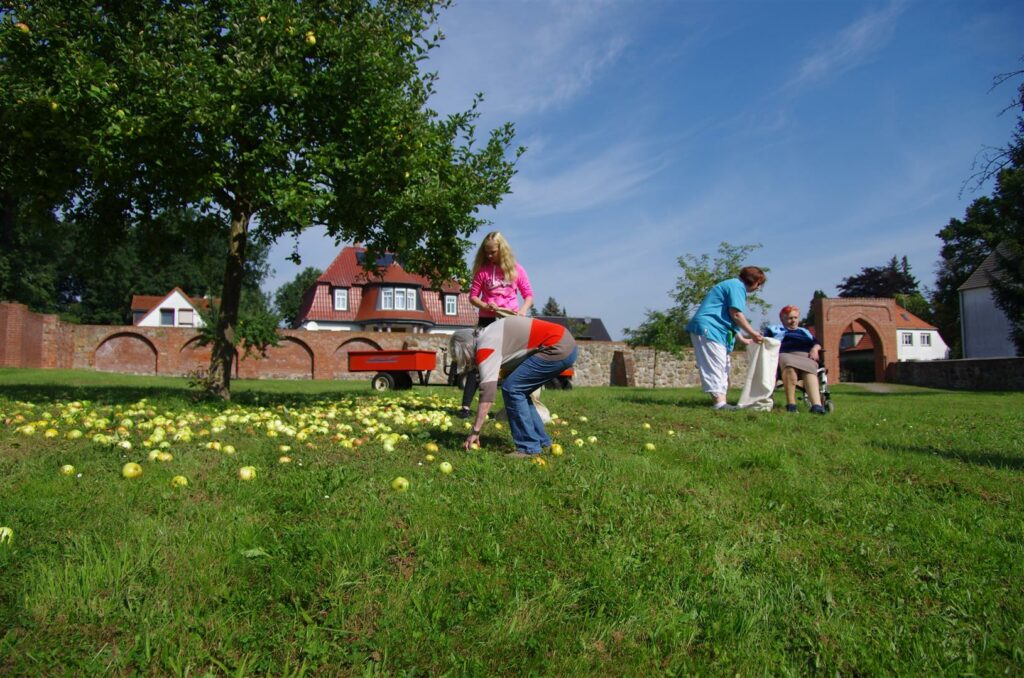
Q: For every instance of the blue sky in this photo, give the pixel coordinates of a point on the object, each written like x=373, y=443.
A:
x=836, y=134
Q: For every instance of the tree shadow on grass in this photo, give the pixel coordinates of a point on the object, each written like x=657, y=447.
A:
x=988, y=458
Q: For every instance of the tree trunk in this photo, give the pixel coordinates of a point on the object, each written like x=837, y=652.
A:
x=223, y=354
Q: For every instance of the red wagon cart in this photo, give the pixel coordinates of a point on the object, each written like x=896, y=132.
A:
x=393, y=368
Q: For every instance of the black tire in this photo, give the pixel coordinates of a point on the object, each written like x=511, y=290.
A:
x=403, y=381
x=830, y=406
x=566, y=383
x=382, y=381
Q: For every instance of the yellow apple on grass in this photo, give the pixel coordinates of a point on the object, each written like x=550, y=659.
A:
x=556, y=449
x=6, y=535
x=131, y=470
x=284, y=459
x=444, y=467
x=429, y=457
x=179, y=481
x=310, y=38
x=247, y=473
x=431, y=447
x=67, y=470
x=649, y=446
x=400, y=484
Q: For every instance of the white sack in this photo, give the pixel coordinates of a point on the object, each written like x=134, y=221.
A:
x=762, y=365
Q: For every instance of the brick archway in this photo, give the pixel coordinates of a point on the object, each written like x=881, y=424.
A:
x=832, y=316
x=126, y=352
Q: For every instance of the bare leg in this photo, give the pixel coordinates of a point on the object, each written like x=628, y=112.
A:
x=789, y=379
x=811, y=387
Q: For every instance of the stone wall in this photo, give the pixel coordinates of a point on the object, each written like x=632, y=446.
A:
x=976, y=374
x=36, y=340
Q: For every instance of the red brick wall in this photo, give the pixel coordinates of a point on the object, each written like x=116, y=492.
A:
x=33, y=340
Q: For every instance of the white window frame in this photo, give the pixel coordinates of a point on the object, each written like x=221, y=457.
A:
x=908, y=338
x=451, y=304
x=926, y=339
x=400, y=296
x=341, y=299
x=387, y=298
x=410, y=299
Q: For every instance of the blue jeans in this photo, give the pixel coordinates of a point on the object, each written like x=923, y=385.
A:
x=524, y=421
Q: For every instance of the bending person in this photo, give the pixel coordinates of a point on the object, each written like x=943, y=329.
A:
x=798, y=359
x=534, y=351
x=497, y=280
x=714, y=327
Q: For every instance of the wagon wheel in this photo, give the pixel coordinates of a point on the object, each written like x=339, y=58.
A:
x=382, y=381
x=403, y=380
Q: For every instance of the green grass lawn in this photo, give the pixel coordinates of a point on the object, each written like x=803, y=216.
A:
x=885, y=538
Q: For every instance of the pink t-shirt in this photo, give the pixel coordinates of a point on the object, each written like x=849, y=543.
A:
x=489, y=286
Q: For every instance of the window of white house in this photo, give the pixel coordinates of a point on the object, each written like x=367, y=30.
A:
x=185, y=317
x=926, y=339
x=387, y=298
x=341, y=299
x=167, y=317
x=400, y=299
x=908, y=339
x=451, y=304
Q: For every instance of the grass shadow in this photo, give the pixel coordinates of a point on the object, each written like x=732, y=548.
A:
x=985, y=458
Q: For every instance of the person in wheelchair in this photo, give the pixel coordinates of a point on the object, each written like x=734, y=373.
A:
x=798, y=359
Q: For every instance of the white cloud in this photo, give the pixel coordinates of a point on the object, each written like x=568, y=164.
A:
x=852, y=46
x=527, y=57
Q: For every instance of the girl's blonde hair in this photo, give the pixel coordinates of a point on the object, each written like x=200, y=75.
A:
x=506, y=260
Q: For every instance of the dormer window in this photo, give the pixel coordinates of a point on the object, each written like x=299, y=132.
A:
x=398, y=299
x=341, y=299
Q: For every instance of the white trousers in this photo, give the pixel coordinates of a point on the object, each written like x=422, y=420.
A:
x=712, y=364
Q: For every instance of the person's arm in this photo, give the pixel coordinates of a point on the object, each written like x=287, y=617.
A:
x=481, y=419
x=525, y=308
x=525, y=289
x=476, y=293
x=815, y=352
x=741, y=321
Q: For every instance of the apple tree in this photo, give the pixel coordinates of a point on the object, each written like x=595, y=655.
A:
x=271, y=115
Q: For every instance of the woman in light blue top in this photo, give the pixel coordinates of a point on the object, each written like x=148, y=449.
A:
x=714, y=326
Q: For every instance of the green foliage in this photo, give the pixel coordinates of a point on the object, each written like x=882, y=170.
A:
x=663, y=330
x=270, y=117
x=883, y=282
x=885, y=539
x=551, y=308
x=289, y=297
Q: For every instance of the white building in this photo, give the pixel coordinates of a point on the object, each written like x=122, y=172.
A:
x=916, y=339
x=174, y=309
x=984, y=328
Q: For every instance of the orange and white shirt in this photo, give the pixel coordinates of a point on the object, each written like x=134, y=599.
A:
x=510, y=341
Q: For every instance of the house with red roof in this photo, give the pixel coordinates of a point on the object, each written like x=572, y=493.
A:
x=174, y=309
x=346, y=297
x=915, y=339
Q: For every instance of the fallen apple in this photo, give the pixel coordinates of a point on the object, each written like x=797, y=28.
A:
x=444, y=467
x=6, y=535
x=310, y=38
x=429, y=457
x=67, y=470
x=131, y=470
x=179, y=481
x=649, y=446
x=556, y=450
x=247, y=473
x=284, y=460
x=400, y=484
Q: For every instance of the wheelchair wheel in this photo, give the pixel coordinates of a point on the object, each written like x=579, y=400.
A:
x=830, y=406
